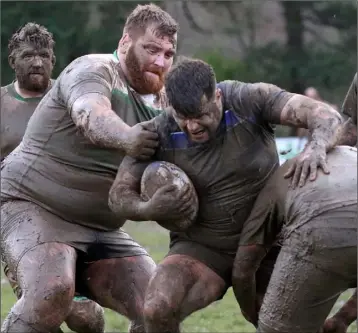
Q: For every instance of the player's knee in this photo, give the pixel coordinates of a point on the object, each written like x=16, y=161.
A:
x=86, y=316
x=157, y=306
x=54, y=296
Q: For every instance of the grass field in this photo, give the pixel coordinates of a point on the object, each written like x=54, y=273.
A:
x=222, y=316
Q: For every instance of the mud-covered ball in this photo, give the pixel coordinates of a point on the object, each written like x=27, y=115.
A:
x=159, y=174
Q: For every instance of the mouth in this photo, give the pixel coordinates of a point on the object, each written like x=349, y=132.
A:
x=198, y=134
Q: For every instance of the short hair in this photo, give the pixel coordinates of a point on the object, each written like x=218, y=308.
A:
x=145, y=15
x=32, y=33
x=187, y=83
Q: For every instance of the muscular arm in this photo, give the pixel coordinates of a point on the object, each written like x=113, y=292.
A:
x=124, y=195
x=247, y=262
x=93, y=115
x=284, y=108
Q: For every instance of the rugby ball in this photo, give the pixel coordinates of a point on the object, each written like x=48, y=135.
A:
x=159, y=174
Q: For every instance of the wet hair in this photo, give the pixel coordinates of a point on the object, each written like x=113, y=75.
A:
x=31, y=33
x=145, y=15
x=187, y=83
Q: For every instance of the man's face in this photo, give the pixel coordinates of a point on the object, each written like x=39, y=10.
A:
x=203, y=126
x=148, y=59
x=33, y=66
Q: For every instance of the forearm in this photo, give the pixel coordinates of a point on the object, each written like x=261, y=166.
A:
x=348, y=312
x=94, y=117
x=244, y=288
x=127, y=204
x=323, y=121
x=107, y=130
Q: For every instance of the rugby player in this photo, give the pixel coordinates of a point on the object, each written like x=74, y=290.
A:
x=32, y=58
x=58, y=235
x=222, y=137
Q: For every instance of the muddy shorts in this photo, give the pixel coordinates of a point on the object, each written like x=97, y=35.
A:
x=222, y=262
x=24, y=225
x=317, y=262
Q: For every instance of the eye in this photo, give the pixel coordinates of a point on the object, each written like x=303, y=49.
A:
x=169, y=55
x=45, y=55
x=27, y=56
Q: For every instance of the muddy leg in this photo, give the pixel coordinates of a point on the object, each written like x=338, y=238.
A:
x=86, y=316
x=46, y=276
x=180, y=286
x=120, y=284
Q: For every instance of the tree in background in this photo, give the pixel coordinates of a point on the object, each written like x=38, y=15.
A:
x=78, y=27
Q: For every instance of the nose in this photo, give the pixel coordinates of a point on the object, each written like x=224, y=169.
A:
x=159, y=61
x=192, y=125
x=37, y=62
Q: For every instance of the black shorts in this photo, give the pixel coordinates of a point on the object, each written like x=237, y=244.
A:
x=24, y=225
x=222, y=262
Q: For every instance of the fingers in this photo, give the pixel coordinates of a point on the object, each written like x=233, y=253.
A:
x=324, y=166
x=296, y=174
x=290, y=171
x=304, y=173
x=148, y=135
x=313, y=169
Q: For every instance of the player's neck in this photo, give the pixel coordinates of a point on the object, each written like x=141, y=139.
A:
x=24, y=93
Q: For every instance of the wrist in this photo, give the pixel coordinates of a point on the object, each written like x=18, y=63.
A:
x=145, y=212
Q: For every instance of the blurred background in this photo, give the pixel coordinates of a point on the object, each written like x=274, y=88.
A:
x=293, y=44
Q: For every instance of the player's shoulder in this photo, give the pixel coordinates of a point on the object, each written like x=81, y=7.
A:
x=91, y=65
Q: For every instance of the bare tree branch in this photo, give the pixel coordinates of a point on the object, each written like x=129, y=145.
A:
x=190, y=17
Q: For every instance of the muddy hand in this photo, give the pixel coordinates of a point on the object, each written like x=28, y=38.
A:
x=169, y=202
x=142, y=141
x=306, y=164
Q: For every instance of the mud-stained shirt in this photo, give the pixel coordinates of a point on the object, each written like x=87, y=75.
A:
x=229, y=171
x=15, y=114
x=55, y=165
x=349, y=106
x=279, y=210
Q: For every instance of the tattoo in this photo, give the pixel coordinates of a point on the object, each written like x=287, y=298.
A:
x=322, y=120
x=124, y=195
x=247, y=262
x=94, y=117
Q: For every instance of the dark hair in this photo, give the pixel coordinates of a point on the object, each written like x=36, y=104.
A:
x=145, y=15
x=186, y=84
x=32, y=33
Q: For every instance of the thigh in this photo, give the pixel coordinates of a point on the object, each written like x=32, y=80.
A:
x=25, y=225
x=119, y=283
x=299, y=296
x=184, y=285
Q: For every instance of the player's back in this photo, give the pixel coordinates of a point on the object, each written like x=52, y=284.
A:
x=56, y=166
x=328, y=192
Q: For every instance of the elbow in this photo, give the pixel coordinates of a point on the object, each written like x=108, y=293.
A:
x=328, y=113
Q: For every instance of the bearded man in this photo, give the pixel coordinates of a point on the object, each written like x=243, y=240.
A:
x=32, y=57
x=55, y=184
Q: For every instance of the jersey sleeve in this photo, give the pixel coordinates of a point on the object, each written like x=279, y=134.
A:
x=349, y=107
x=263, y=224
x=261, y=103
x=82, y=77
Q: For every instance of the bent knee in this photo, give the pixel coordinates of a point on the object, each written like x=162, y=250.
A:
x=86, y=316
x=157, y=307
x=54, y=294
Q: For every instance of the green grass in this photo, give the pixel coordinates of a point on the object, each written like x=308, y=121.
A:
x=222, y=316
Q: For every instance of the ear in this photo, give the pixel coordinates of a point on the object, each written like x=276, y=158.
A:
x=53, y=60
x=218, y=94
x=124, y=43
x=11, y=60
